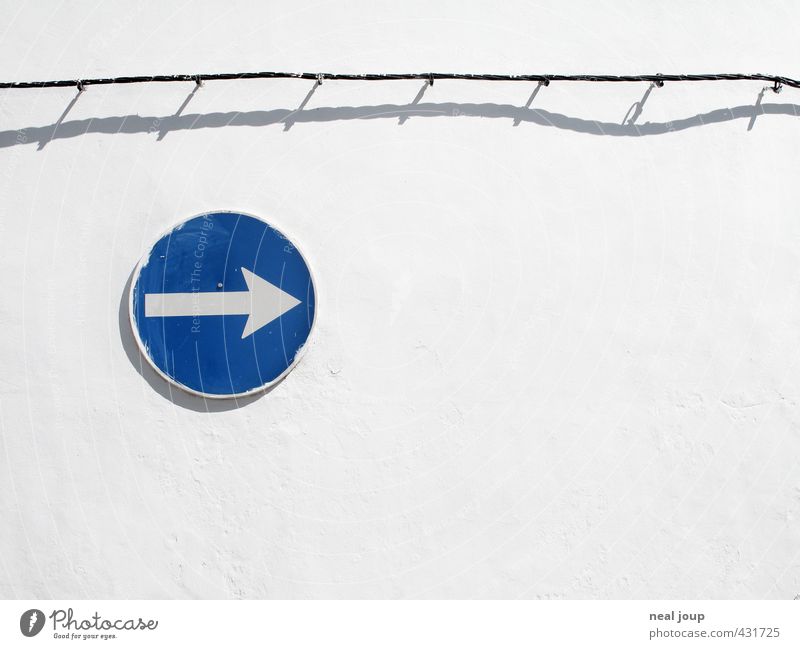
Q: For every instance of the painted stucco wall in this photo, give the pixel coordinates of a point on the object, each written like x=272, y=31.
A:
x=556, y=355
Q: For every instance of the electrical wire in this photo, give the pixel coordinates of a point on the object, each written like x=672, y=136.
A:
x=319, y=77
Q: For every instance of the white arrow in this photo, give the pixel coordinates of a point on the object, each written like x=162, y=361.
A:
x=262, y=302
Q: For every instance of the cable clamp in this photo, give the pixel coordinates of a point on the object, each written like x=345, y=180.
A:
x=319, y=78
x=777, y=87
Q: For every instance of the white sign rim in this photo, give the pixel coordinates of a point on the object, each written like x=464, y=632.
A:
x=239, y=395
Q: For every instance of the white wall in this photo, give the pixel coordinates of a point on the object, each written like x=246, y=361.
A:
x=548, y=362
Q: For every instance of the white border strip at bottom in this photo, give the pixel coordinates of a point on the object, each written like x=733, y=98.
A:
x=405, y=624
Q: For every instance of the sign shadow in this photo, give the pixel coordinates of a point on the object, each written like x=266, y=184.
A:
x=159, y=384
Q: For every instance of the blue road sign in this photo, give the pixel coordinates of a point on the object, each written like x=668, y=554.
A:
x=222, y=305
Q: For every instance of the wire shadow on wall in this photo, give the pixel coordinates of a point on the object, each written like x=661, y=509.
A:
x=287, y=118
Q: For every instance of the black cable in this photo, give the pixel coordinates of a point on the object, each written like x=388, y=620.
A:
x=545, y=79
